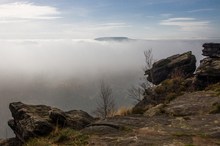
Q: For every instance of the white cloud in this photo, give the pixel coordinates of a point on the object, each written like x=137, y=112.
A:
x=112, y=25
x=18, y=11
x=186, y=24
x=166, y=15
x=200, y=10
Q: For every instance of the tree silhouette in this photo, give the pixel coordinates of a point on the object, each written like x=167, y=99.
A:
x=105, y=103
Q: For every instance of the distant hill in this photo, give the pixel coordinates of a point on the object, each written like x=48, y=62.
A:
x=118, y=39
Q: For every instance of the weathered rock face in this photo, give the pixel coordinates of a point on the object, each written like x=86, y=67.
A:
x=189, y=104
x=39, y=120
x=211, y=50
x=165, y=68
x=209, y=70
x=75, y=119
x=29, y=120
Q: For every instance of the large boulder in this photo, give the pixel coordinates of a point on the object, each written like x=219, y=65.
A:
x=209, y=70
x=163, y=69
x=39, y=120
x=30, y=120
x=211, y=50
x=75, y=119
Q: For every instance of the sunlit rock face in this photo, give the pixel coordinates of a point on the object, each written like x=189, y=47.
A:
x=165, y=68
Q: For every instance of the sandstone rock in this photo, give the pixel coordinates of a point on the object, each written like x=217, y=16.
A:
x=154, y=111
x=165, y=68
x=157, y=130
x=10, y=142
x=75, y=119
x=78, y=119
x=29, y=120
x=209, y=70
x=211, y=50
x=39, y=120
x=58, y=116
x=197, y=103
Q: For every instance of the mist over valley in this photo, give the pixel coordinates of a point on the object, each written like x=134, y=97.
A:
x=67, y=73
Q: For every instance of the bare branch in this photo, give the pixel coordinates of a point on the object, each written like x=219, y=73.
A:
x=136, y=92
x=148, y=59
x=106, y=103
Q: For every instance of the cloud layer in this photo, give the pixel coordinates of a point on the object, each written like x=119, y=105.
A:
x=20, y=11
x=186, y=23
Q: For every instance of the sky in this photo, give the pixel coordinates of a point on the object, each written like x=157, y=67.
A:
x=89, y=19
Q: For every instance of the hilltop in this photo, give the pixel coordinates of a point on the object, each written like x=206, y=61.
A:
x=117, y=39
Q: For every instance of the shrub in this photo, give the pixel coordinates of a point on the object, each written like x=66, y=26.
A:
x=171, y=88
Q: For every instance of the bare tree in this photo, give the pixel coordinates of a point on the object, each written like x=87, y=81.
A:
x=136, y=92
x=105, y=103
x=148, y=59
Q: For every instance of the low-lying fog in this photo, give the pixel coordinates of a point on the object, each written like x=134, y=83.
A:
x=66, y=73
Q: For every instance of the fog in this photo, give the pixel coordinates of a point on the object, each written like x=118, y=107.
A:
x=66, y=73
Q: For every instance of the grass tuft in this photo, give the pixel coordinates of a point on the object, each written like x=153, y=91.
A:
x=61, y=137
x=123, y=111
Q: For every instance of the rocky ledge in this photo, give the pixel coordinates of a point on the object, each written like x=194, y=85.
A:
x=40, y=120
x=190, y=119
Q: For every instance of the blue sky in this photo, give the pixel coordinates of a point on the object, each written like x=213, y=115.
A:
x=86, y=19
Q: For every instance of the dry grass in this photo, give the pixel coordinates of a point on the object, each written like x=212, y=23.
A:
x=123, y=111
x=60, y=137
x=214, y=87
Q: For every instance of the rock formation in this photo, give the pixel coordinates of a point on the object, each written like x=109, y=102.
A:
x=177, y=65
x=39, y=120
x=209, y=70
x=165, y=68
x=211, y=49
